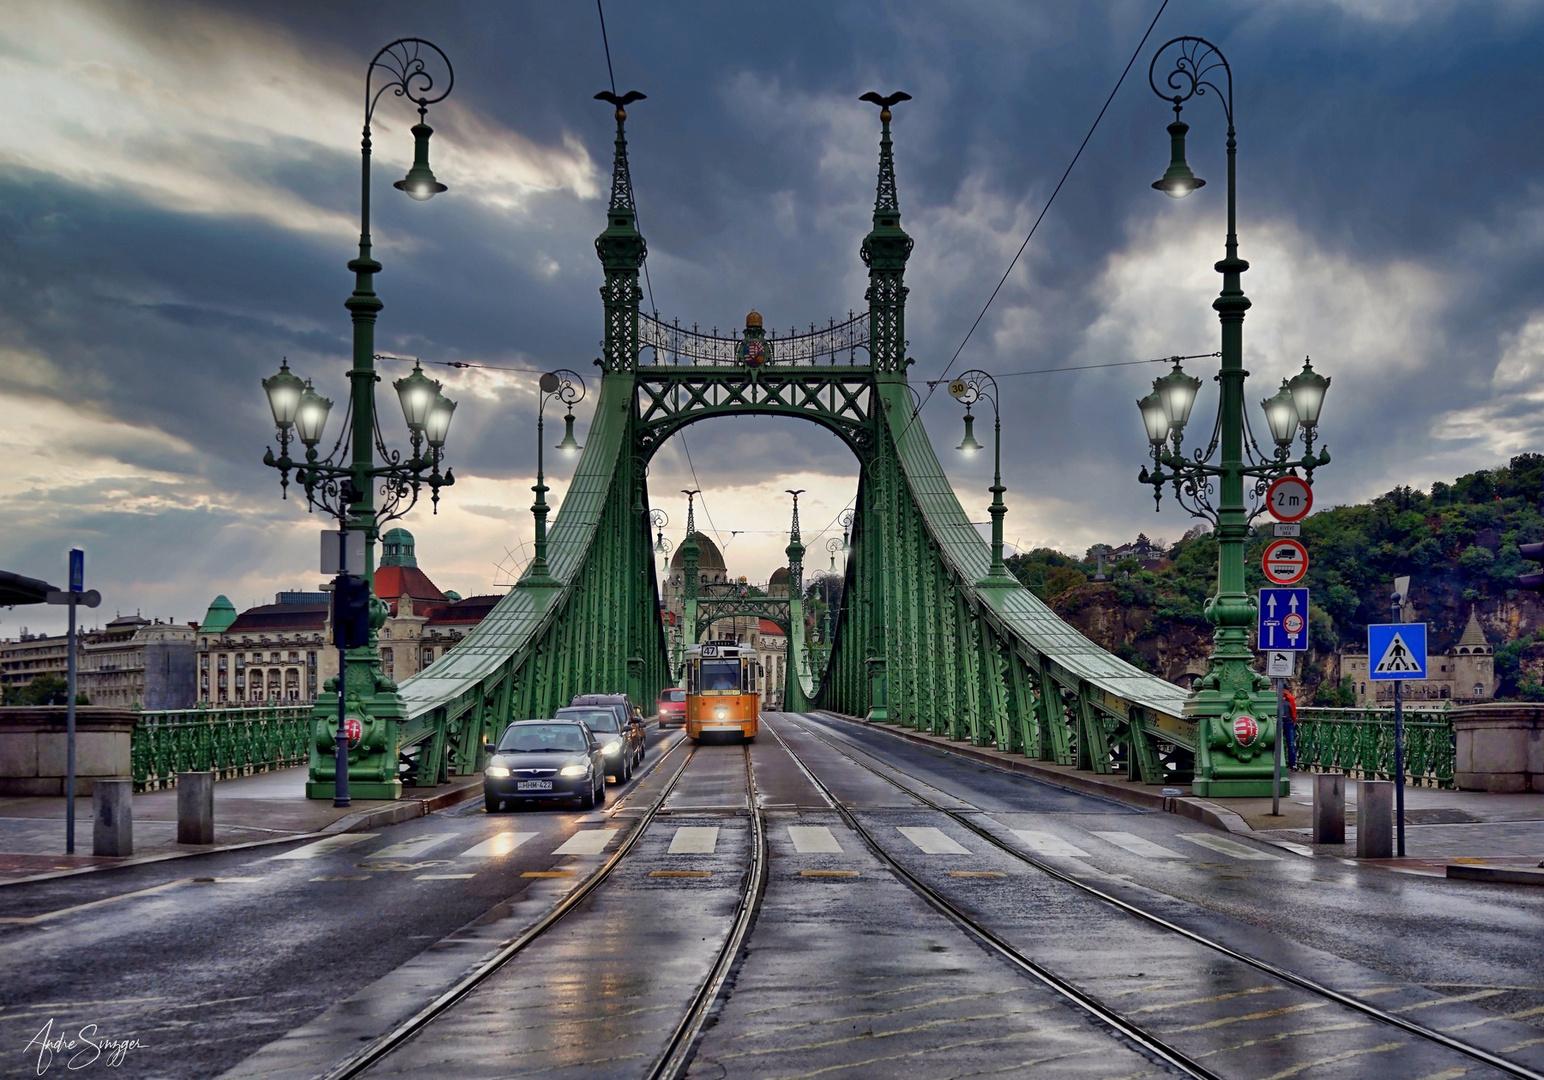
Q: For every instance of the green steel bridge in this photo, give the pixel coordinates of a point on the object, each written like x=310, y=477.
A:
x=922, y=637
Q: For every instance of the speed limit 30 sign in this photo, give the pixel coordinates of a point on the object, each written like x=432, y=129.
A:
x=1285, y=562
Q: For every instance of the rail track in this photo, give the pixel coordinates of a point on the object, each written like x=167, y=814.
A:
x=1123, y=1026
x=671, y=1062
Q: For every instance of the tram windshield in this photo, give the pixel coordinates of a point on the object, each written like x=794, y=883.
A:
x=719, y=675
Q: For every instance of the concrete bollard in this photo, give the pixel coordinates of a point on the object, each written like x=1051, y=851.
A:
x=195, y=808
x=1329, y=808
x=112, y=832
x=1375, y=819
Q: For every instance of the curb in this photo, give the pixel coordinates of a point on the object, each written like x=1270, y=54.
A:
x=375, y=817
x=1500, y=874
x=1201, y=810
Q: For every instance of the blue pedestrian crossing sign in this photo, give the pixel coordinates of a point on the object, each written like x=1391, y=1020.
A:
x=1283, y=620
x=1396, y=651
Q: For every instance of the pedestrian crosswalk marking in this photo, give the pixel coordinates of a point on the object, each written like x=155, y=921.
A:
x=694, y=840
x=497, y=846
x=325, y=846
x=588, y=842
x=813, y=840
x=443, y=877
x=1228, y=847
x=1044, y=843
x=931, y=841
x=1139, y=846
x=411, y=849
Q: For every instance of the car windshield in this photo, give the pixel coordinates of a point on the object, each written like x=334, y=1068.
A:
x=595, y=719
x=535, y=738
x=673, y=695
x=721, y=674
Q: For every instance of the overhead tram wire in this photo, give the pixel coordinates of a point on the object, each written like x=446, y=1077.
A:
x=933, y=386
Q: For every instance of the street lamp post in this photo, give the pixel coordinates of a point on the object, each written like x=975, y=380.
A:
x=344, y=483
x=567, y=387
x=973, y=386
x=1233, y=756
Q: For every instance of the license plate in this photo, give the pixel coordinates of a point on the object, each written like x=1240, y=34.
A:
x=533, y=785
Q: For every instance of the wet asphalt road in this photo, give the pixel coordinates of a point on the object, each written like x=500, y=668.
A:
x=282, y=965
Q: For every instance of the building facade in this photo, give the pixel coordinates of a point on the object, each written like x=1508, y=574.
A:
x=275, y=653
x=139, y=663
x=32, y=655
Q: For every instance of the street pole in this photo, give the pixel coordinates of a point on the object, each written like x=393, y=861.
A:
x=1399, y=746
x=340, y=793
x=69, y=738
x=1281, y=727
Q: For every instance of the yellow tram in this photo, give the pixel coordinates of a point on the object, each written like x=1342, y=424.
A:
x=722, y=691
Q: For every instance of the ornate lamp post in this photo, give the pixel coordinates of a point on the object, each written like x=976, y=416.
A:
x=568, y=388
x=344, y=483
x=1233, y=759
x=973, y=386
x=845, y=521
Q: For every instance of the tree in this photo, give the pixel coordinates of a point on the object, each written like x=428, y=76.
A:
x=44, y=690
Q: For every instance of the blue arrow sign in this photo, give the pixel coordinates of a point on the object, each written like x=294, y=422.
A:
x=1283, y=620
x=1396, y=651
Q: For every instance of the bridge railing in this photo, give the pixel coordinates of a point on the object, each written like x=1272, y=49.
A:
x=1360, y=743
x=832, y=344
x=227, y=742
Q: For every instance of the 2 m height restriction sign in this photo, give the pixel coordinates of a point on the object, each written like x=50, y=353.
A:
x=1396, y=651
x=1283, y=620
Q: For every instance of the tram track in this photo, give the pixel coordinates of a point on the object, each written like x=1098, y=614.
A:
x=1146, y=1039
x=672, y=1061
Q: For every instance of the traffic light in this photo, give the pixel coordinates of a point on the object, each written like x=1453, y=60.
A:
x=1534, y=581
x=350, y=611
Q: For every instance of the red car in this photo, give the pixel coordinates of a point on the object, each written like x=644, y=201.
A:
x=672, y=708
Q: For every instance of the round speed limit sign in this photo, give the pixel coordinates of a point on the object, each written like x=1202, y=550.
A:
x=1289, y=499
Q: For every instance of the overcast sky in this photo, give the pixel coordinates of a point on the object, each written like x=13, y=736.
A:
x=179, y=197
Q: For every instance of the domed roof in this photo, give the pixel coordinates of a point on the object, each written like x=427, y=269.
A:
x=397, y=548
x=219, y=617
x=709, y=559
x=779, y=576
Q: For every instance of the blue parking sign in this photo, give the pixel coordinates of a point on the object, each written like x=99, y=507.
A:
x=1396, y=651
x=1283, y=620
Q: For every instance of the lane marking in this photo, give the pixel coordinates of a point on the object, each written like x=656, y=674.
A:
x=1206, y=1000
x=325, y=846
x=1285, y=1010
x=694, y=840
x=828, y=873
x=1044, y=843
x=1475, y=996
x=932, y=841
x=411, y=849
x=1231, y=848
x=498, y=846
x=1332, y=1059
x=813, y=840
x=342, y=877
x=588, y=842
x=549, y=873
x=680, y=873
x=32, y=920
x=1138, y=845
x=444, y=877
x=976, y=874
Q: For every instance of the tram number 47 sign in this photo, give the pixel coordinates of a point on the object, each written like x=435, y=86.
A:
x=1285, y=562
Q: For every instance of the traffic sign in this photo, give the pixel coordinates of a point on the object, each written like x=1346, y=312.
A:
x=1396, y=651
x=1280, y=665
x=1283, y=620
x=1289, y=499
x=1285, y=562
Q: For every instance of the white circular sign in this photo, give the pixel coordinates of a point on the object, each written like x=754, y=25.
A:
x=1285, y=562
x=1289, y=499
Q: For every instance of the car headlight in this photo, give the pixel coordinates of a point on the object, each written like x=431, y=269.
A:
x=573, y=770
x=497, y=770
x=612, y=747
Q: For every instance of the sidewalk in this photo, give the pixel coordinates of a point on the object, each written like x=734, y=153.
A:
x=1442, y=828
x=251, y=810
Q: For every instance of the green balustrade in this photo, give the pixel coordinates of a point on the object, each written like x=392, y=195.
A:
x=227, y=742
x=1360, y=743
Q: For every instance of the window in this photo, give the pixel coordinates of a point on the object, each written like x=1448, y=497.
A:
x=221, y=661
x=310, y=659
x=273, y=658
x=294, y=658
x=428, y=657
x=387, y=663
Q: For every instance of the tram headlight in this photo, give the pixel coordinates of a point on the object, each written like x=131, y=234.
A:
x=721, y=713
x=612, y=747
x=573, y=770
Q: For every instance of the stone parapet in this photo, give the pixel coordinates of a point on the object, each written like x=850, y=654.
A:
x=1500, y=747
x=33, y=747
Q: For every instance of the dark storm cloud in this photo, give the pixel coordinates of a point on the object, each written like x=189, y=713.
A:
x=1388, y=201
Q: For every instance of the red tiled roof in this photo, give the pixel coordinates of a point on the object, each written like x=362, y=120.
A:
x=770, y=627
x=469, y=610
x=392, y=582
x=280, y=617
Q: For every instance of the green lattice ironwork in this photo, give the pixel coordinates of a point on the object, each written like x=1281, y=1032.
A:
x=1360, y=743
x=228, y=742
x=914, y=641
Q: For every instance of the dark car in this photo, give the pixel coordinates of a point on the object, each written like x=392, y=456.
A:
x=671, y=707
x=619, y=735
x=542, y=760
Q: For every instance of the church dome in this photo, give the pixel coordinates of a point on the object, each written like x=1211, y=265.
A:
x=709, y=559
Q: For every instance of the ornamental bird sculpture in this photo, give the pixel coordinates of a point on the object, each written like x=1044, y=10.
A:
x=622, y=102
x=884, y=103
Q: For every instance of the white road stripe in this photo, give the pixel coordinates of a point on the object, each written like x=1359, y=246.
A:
x=411, y=849
x=497, y=846
x=325, y=846
x=1139, y=846
x=694, y=840
x=588, y=842
x=813, y=840
x=444, y=877
x=1228, y=847
x=1044, y=843
x=931, y=841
